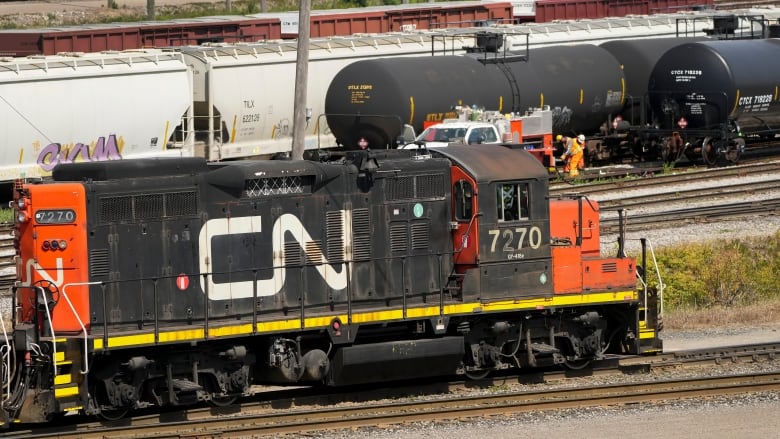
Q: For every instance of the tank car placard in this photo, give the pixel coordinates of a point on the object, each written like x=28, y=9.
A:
x=360, y=93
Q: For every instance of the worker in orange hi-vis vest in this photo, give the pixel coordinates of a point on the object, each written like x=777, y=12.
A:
x=575, y=148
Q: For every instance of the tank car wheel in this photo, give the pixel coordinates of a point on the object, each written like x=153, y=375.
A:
x=710, y=151
x=672, y=148
x=735, y=152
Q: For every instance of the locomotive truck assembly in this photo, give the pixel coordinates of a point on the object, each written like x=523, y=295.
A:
x=172, y=281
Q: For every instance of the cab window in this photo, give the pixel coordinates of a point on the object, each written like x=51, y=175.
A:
x=512, y=201
x=464, y=195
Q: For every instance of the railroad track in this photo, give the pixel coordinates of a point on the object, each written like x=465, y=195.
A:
x=693, y=215
x=308, y=411
x=653, y=204
x=302, y=421
x=632, y=182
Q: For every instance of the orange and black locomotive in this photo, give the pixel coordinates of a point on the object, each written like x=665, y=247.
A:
x=163, y=282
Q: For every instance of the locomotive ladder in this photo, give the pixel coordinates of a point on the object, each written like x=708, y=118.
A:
x=66, y=357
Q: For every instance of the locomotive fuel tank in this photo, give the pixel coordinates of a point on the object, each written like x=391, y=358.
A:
x=368, y=101
x=705, y=85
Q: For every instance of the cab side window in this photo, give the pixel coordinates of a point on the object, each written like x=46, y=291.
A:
x=512, y=201
x=464, y=196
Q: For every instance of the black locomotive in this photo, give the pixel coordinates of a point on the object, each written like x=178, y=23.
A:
x=159, y=282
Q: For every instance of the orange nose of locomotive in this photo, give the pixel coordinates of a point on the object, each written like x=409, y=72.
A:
x=51, y=256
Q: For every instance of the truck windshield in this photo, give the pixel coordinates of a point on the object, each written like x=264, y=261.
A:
x=436, y=134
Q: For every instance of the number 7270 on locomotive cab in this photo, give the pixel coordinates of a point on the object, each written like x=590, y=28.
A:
x=165, y=282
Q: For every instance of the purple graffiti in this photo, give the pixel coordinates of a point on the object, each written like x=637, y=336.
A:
x=54, y=153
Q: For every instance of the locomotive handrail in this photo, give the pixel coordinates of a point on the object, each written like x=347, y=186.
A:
x=643, y=277
x=83, y=328
x=51, y=326
x=5, y=351
x=660, y=282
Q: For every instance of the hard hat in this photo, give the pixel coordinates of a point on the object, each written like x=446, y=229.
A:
x=581, y=138
x=558, y=138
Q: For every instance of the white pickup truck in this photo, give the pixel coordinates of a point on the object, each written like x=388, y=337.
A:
x=531, y=131
x=456, y=132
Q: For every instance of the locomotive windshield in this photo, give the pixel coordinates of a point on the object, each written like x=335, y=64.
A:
x=512, y=201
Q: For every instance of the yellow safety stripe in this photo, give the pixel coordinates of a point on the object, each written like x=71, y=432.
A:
x=371, y=317
x=65, y=392
x=62, y=379
x=650, y=333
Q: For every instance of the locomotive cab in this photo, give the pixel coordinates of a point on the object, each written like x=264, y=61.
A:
x=501, y=219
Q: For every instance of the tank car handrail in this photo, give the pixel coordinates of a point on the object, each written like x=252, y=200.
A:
x=83, y=328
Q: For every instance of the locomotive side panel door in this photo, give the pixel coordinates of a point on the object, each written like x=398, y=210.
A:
x=465, y=236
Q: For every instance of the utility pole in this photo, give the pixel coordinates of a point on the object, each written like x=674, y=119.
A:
x=301, y=113
x=150, y=10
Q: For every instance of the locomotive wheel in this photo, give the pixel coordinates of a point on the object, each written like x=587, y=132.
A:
x=222, y=401
x=576, y=364
x=709, y=151
x=477, y=374
x=113, y=414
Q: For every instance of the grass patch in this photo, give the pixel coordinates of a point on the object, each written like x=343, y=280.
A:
x=723, y=273
x=764, y=313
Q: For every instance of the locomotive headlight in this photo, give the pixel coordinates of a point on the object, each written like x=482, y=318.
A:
x=63, y=244
x=20, y=203
x=21, y=217
x=55, y=245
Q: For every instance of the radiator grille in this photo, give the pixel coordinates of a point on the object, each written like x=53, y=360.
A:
x=98, y=262
x=420, y=235
x=361, y=235
x=335, y=235
x=398, y=238
x=416, y=187
x=132, y=208
x=264, y=187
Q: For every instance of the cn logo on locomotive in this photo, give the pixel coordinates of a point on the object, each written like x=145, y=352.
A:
x=336, y=278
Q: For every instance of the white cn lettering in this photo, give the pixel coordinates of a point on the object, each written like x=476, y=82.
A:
x=286, y=223
x=32, y=264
